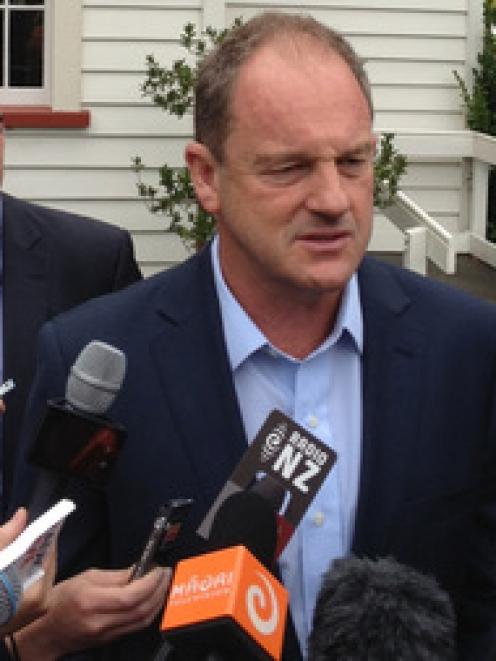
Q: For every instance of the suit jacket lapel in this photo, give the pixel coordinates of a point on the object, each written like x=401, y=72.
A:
x=393, y=361
x=25, y=306
x=202, y=395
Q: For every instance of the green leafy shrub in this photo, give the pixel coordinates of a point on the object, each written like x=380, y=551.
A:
x=389, y=167
x=480, y=102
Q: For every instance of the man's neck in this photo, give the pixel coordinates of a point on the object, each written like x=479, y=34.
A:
x=296, y=326
x=294, y=319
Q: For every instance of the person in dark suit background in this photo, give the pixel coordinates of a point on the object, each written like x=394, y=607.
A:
x=395, y=372
x=52, y=261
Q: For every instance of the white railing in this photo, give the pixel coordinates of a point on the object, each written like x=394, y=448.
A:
x=425, y=238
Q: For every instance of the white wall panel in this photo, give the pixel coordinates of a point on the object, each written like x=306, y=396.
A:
x=153, y=247
x=435, y=201
x=66, y=184
x=430, y=175
x=410, y=48
x=403, y=121
x=112, y=87
x=420, y=48
x=125, y=55
x=139, y=119
x=432, y=98
x=140, y=21
x=140, y=4
x=375, y=21
x=455, y=6
x=385, y=236
x=394, y=72
x=132, y=215
x=98, y=153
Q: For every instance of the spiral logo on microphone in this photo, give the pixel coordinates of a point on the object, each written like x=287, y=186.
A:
x=258, y=596
x=273, y=441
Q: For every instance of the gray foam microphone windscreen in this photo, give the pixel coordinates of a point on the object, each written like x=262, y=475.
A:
x=10, y=592
x=96, y=377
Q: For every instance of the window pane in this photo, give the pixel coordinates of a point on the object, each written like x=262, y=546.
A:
x=26, y=49
x=26, y=2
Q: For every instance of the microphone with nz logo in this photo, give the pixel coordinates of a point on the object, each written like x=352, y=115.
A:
x=293, y=458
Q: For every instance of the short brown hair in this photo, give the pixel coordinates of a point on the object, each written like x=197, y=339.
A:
x=218, y=71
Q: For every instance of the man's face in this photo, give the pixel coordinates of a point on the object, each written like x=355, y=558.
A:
x=293, y=197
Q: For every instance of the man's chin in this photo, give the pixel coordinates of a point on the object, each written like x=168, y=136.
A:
x=329, y=280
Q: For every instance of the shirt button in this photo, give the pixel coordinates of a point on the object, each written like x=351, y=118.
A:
x=313, y=421
x=318, y=518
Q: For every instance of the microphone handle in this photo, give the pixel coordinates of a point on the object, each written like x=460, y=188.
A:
x=167, y=653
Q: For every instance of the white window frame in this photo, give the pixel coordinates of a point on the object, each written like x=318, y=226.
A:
x=21, y=96
x=66, y=46
x=63, y=27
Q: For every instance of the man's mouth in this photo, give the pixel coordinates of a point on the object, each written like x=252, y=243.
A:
x=324, y=240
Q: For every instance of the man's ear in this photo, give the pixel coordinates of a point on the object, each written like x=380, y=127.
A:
x=203, y=171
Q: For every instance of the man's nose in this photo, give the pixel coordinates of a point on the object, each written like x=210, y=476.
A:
x=327, y=194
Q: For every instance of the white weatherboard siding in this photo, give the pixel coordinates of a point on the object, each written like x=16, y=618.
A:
x=410, y=48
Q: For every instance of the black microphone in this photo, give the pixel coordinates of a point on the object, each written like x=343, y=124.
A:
x=381, y=610
x=272, y=490
x=226, y=604
x=74, y=440
x=246, y=518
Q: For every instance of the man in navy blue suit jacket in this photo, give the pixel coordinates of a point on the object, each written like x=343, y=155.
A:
x=283, y=159
x=52, y=261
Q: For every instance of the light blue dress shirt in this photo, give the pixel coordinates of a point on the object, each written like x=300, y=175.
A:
x=322, y=393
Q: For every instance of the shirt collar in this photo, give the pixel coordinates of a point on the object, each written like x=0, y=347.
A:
x=243, y=337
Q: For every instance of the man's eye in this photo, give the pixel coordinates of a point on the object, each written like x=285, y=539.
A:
x=354, y=162
x=353, y=165
x=289, y=167
x=287, y=172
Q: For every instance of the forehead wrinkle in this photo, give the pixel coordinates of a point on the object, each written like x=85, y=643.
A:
x=278, y=140
x=280, y=155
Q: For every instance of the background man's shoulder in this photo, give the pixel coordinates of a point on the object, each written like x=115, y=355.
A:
x=57, y=222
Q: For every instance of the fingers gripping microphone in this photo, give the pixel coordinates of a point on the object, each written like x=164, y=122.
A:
x=380, y=610
x=226, y=604
x=10, y=593
x=74, y=439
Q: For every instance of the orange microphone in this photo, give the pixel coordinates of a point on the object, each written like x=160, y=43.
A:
x=226, y=604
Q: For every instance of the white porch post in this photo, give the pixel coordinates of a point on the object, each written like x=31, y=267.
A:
x=478, y=206
x=415, y=255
